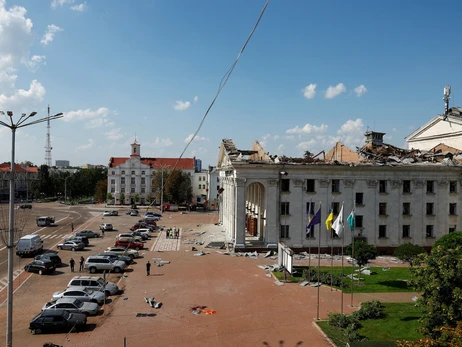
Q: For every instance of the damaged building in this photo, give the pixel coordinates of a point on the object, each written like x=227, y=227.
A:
x=398, y=195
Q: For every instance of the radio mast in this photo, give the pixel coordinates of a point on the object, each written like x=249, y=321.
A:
x=48, y=147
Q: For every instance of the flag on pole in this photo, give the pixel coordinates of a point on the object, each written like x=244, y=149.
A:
x=338, y=223
x=351, y=220
x=315, y=220
x=329, y=220
x=309, y=217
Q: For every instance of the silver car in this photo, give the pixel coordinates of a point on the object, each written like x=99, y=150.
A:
x=71, y=245
x=73, y=305
x=81, y=293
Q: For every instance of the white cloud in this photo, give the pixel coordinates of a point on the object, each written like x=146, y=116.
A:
x=280, y=149
x=201, y=151
x=309, y=91
x=197, y=138
x=352, y=133
x=113, y=134
x=80, y=8
x=93, y=118
x=332, y=92
x=196, y=98
x=56, y=3
x=308, y=129
x=160, y=143
x=21, y=98
x=34, y=62
x=8, y=80
x=50, y=34
x=15, y=35
x=85, y=147
x=360, y=90
x=181, y=105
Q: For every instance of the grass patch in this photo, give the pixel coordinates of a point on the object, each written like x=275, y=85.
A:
x=390, y=281
x=399, y=322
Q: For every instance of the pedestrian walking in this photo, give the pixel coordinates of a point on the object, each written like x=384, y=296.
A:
x=148, y=268
x=102, y=231
x=72, y=226
x=82, y=260
x=72, y=263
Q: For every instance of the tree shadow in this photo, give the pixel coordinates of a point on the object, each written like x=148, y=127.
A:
x=394, y=284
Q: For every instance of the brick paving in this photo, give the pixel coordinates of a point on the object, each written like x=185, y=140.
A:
x=164, y=244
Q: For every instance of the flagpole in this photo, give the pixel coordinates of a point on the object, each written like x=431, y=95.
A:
x=331, y=252
x=353, y=257
x=341, y=282
x=309, y=245
x=319, y=264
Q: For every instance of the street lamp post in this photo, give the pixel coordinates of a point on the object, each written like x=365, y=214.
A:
x=65, y=189
x=162, y=189
x=21, y=123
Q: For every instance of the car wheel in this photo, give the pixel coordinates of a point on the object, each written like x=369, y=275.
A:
x=73, y=249
x=37, y=331
x=117, y=270
x=59, y=248
x=107, y=293
x=92, y=270
x=40, y=272
x=132, y=257
x=86, y=313
x=137, y=248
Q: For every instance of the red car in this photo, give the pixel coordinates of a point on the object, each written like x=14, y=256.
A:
x=126, y=243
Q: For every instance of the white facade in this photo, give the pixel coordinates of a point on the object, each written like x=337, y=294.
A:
x=405, y=203
x=441, y=129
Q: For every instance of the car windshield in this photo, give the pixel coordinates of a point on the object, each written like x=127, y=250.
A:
x=67, y=315
x=100, y=281
x=78, y=303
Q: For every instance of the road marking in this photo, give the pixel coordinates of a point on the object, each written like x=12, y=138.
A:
x=4, y=281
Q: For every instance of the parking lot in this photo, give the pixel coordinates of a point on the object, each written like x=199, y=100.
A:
x=248, y=308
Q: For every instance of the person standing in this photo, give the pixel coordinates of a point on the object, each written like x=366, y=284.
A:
x=82, y=260
x=72, y=226
x=72, y=263
x=148, y=268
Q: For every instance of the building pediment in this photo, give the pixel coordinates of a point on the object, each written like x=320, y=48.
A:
x=437, y=128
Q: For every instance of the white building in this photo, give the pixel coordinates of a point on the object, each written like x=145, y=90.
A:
x=398, y=197
x=132, y=175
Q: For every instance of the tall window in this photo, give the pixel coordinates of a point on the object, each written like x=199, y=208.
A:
x=143, y=173
x=430, y=187
x=132, y=189
x=122, y=190
x=285, y=185
x=359, y=198
x=382, y=186
x=284, y=208
x=335, y=186
x=453, y=209
x=132, y=180
x=200, y=185
x=453, y=187
x=122, y=180
x=429, y=231
x=310, y=233
x=113, y=172
x=406, y=208
x=112, y=190
x=452, y=229
x=406, y=187
x=406, y=231
x=133, y=172
x=310, y=186
x=382, y=209
x=143, y=190
x=358, y=221
x=308, y=208
x=200, y=178
x=113, y=181
x=123, y=172
x=335, y=207
x=284, y=233
x=382, y=231
x=143, y=180
x=430, y=209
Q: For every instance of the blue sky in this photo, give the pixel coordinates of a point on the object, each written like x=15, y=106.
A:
x=315, y=72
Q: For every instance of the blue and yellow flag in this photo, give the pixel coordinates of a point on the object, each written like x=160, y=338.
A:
x=329, y=220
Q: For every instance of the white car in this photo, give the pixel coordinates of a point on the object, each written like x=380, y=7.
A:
x=130, y=236
x=73, y=305
x=145, y=231
x=81, y=293
x=107, y=213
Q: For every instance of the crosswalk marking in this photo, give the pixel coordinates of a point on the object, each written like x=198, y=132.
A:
x=4, y=281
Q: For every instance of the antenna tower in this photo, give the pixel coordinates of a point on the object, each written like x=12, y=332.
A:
x=48, y=147
x=446, y=97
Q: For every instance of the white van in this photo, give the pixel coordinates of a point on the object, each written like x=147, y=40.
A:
x=45, y=221
x=29, y=245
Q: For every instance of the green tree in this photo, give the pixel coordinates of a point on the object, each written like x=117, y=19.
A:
x=363, y=252
x=44, y=182
x=177, y=186
x=101, y=190
x=122, y=198
x=136, y=197
x=450, y=241
x=109, y=196
x=439, y=277
x=408, y=252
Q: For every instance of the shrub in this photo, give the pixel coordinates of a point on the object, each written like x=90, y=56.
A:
x=341, y=320
x=369, y=310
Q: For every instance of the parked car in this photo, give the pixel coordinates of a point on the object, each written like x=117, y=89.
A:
x=153, y=214
x=102, y=263
x=144, y=231
x=50, y=256
x=57, y=320
x=88, y=233
x=81, y=293
x=143, y=225
x=114, y=213
x=71, y=245
x=106, y=227
x=114, y=256
x=127, y=243
x=40, y=266
x=107, y=213
x=124, y=251
x=95, y=283
x=130, y=236
x=134, y=213
x=144, y=237
x=73, y=305
x=25, y=206
x=78, y=239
